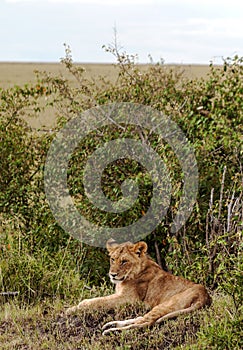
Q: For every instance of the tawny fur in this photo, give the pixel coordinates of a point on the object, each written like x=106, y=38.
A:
x=138, y=278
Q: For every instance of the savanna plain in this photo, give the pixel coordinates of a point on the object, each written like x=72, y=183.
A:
x=43, y=270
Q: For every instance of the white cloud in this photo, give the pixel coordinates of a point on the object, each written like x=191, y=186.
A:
x=188, y=30
x=216, y=27
x=199, y=3
x=95, y=2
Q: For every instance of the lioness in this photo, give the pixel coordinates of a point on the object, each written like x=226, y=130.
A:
x=138, y=278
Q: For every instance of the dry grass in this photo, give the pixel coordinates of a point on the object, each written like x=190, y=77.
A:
x=21, y=73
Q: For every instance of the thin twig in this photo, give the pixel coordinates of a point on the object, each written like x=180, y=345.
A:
x=158, y=257
x=221, y=192
x=9, y=293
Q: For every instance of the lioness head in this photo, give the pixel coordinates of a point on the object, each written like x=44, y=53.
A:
x=126, y=259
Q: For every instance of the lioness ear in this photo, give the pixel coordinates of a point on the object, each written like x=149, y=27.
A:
x=140, y=248
x=111, y=244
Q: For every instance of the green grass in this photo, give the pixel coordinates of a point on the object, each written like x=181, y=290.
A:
x=44, y=326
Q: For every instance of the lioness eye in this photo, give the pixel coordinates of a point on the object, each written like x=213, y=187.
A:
x=123, y=262
x=112, y=260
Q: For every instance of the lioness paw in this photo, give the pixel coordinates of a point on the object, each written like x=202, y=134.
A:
x=110, y=324
x=84, y=304
x=70, y=310
x=119, y=325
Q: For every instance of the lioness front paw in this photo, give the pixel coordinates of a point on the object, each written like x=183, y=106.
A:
x=109, y=325
x=71, y=310
x=114, y=326
x=84, y=304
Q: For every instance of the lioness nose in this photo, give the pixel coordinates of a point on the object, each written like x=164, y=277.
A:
x=113, y=274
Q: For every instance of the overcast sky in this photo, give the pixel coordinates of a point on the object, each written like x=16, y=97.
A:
x=179, y=31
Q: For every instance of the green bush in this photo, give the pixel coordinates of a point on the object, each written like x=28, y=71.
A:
x=31, y=242
x=210, y=113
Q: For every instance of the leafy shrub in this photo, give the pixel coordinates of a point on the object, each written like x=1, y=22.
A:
x=31, y=243
x=209, y=111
